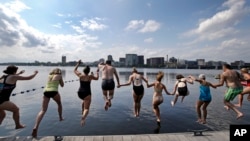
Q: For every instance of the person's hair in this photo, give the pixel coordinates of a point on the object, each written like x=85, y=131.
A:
x=108, y=62
x=11, y=69
x=227, y=66
x=159, y=76
x=56, y=71
x=86, y=70
x=134, y=70
x=179, y=76
x=244, y=70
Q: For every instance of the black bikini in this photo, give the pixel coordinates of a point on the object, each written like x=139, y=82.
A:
x=6, y=91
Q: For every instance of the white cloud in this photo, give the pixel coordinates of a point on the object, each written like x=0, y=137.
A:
x=149, y=40
x=143, y=27
x=58, y=25
x=93, y=24
x=16, y=6
x=68, y=22
x=222, y=23
x=150, y=26
x=16, y=36
x=78, y=29
x=149, y=4
x=134, y=24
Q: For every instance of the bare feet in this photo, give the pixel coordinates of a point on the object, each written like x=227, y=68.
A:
x=20, y=126
x=227, y=108
x=106, y=106
x=203, y=122
x=199, y=121
x=110, y=104
x=34, y=133
x=240, y=115
x=158, y=122
x=82, y=122
x=238, y=105
x=61, y=119
x=172, y=103
x=248, y=97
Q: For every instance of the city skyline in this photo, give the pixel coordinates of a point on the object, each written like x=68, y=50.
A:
x=90, y=29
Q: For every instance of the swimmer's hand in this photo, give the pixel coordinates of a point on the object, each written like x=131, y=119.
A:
x=80, y=61
x=92, y=73
x=22, y=71
x=118, y=86
x=35, y=72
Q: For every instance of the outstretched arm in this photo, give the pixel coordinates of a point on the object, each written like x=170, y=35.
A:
x=222, y=80
x=144, y=79
x=190, y=81
x=61, y=81
x=76, y=67
x=165, y=89
x=21, y=72
x=212, y=85
x=150, y=85
x=128, y=83
x=175, y=89
x=93, y=77
x=195, y=79
x=18, y=77
x=117, y=77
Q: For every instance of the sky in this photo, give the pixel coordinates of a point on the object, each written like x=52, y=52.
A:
x=44, y=30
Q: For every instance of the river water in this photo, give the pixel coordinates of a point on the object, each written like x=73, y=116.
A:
x=119, y=118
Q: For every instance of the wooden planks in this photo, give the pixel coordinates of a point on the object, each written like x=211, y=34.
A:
x=208, y=136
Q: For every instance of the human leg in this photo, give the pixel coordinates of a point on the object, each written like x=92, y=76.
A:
x=246, y=90
x=198, y=110
x=57, y=99
x=204, y=109
x=40, y=115
x=175, y=100
x=111, y=96
x=2, y=116
x=182, y=98
x=135, y=104
x=86, y=105
x=139, y=103
x=231, y=106
x=105, y=96
x=9, y=106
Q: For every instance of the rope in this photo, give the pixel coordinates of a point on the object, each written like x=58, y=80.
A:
x=34, y=89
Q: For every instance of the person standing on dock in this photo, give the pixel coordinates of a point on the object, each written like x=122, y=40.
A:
x=246, y=83
x=7, y=86
x=232, y=79
x=157, y=97
x=204, y=99
x=138, y=89
x=108, y=84
x=50, y=91
x=84, y=92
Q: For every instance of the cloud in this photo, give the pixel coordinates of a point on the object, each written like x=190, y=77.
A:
x=149, y=40
x=58, y=25
x=143, y=27
x=149, y=4
x=78, y=29
x=93, y=24
x=16, y=6
x=221, y=24
x=17, y=36
x=68, y=22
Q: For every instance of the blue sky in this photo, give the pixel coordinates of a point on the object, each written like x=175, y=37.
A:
x=45, y=30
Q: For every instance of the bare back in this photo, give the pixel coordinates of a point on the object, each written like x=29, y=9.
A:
x=108, y=72
x=231, y=78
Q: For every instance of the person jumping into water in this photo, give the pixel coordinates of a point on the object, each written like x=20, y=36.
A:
x=157, y=97
x=232, y=79
x=204, y=99
x=8, y=85
x=246, y=83
x=50, y=91
x=180, y=88
x=108, y=84
x=138, y=90
x=84, y=92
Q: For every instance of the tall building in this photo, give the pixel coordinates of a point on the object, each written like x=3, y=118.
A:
x=110, y=58
x=122, y=61
x=63, y=60
x=173, y=60
x=131, y=60
x=141, y=60
x=155, y=62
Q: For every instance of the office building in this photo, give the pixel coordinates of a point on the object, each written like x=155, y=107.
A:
x=201, y=62
x=155, y=62
x=63, y=60
x=131, y=60
x=140, y=60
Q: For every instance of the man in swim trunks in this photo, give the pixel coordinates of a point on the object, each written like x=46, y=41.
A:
x=232, y=79
x=108, y=84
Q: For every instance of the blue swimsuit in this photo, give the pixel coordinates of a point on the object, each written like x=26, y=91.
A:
x=205, y=94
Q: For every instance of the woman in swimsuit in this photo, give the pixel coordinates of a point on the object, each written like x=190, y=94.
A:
x=7, y=86
x=180, y=88
x=138, y=89
x=204, y=99
x=50, y=91
x=84, y=92
x=246, y=83
x=157, y=97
